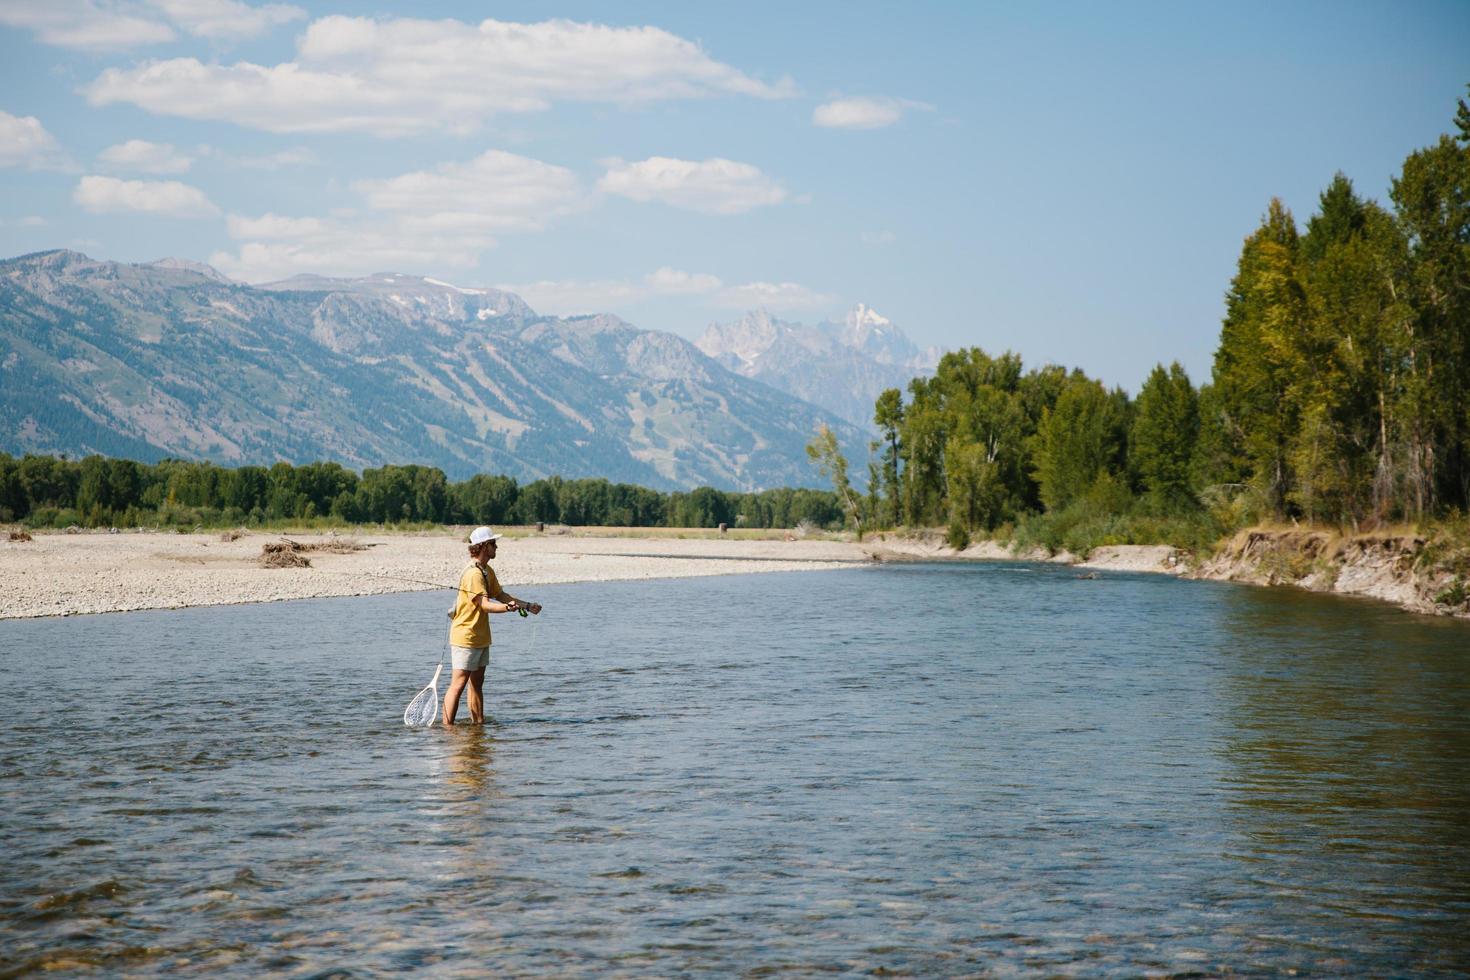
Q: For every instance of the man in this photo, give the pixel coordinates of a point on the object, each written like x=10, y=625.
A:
x=479, y=595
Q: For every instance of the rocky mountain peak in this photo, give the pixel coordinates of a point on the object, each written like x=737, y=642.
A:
x=189, y=265
x=417, y=296
x=841, y=366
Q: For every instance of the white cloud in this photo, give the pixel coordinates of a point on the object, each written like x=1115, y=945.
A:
x=714, y=186
x=168, y=198
x=222, y=19
x=863, y=112
x=774, y=296
x=118, y=24
x=146, y=157
x=399, y=76
x=29, y=221
x=496, y=191
x=274, y=226
x=423, y=221
x=675, y=282
x=24, y=142
x=877, y=238
x=85, y=24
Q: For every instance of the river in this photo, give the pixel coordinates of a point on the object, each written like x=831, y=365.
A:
x=1000, y=769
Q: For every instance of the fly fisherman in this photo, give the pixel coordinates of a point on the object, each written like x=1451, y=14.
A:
x=469, y=632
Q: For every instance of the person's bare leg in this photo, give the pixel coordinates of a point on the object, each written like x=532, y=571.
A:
x=477, y=696
x=451, y=696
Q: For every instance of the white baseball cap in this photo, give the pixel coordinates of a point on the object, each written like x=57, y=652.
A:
x=482, y=534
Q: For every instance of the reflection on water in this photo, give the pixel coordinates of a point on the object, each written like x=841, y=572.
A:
x=471, y=751
x=920, y=770
x=1351, y=788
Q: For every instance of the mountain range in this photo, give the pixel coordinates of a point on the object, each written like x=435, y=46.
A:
x=171, y=359
x=840, y=366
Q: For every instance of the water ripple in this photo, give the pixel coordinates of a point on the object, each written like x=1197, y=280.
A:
x=912, y=770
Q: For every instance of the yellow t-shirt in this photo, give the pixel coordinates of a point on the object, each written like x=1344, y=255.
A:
x=469, y=624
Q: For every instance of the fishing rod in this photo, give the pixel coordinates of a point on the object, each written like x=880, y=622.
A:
x=417, y=581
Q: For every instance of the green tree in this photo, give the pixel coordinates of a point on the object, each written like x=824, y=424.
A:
x=1259, y=363
x=483, y=499
x=824, y=451
x=1431, y=197
x=888, y=417
x=538, y=501
x=1078, y=441
x=1164, y=435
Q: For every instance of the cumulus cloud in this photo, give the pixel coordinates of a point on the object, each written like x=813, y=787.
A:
x=274, y=227
x=114, y=24
x=167, y=198
x=394, y=77
x=423, y=220
x=86, y=24
x=676, y=282
x=145, y=157
x=714, y=186
x=774, y=296
x=226, y=19
x=497, y=191
x=24, y=142
x=863, y=112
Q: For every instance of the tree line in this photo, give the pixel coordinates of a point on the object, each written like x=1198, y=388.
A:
x=1340, y=392
x=97, y=491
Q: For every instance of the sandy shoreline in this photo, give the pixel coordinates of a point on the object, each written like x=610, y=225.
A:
x=58, y=574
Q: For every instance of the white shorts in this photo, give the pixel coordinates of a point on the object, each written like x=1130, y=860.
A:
x=469, y=658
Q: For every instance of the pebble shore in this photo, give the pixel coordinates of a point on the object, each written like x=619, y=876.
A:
x=61, y=574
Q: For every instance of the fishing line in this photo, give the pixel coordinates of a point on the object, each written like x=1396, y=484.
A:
x=412, y=581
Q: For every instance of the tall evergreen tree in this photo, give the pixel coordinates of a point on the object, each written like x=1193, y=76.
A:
x=1164, y=435
x=1259, y=362
x=1432, y=202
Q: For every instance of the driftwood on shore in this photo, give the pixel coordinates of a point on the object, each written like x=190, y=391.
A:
x=286, y=553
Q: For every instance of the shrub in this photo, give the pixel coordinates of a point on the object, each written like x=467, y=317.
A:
x=958, y=537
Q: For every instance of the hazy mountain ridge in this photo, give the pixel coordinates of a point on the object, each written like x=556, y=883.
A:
x=167, y=359
x=841, y=366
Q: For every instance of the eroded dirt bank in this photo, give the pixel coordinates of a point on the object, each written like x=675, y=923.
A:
x=1416, y=573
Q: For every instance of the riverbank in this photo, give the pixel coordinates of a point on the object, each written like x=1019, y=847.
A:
x=1423, y=574
x=61, y=574
x=1428, y=574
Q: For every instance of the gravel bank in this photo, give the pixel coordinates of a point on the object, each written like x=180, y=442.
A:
x=59, y=574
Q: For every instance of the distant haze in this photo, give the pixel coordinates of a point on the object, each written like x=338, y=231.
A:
x=172, y=359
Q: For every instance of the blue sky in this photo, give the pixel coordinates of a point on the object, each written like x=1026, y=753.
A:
x=1070, y=181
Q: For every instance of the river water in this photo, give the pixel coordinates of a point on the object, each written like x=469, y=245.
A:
x=919, y=769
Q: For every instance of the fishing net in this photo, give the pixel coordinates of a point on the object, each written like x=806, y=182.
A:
x=424, y=707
